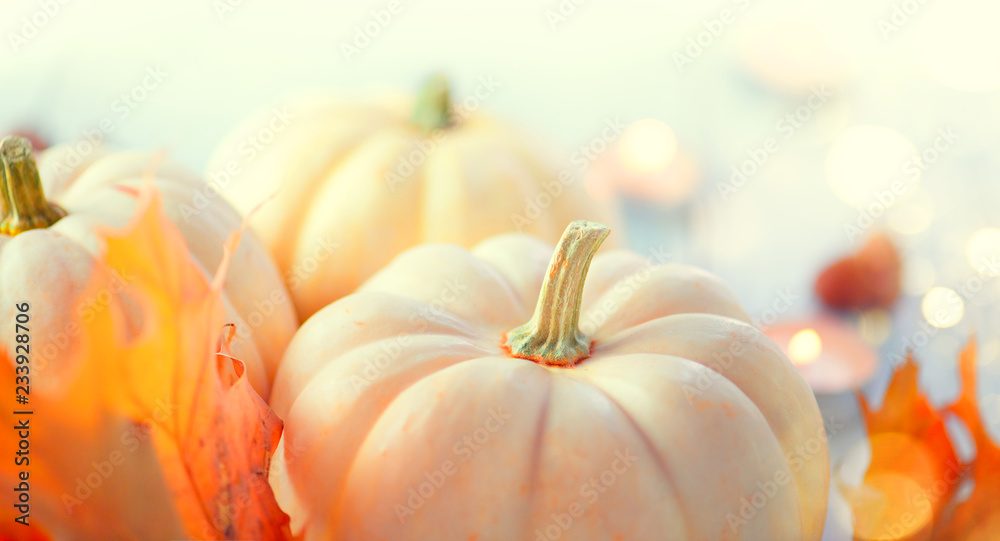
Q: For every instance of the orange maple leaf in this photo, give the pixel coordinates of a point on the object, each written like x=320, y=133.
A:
x=977, y=518
x=904, y=488
x=159, y=436
x=911, y=489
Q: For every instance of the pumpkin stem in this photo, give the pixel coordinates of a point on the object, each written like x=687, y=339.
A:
x=432, y=110
x=22, y=200
x=553, y=337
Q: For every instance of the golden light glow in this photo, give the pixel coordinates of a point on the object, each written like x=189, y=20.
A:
x=872, y=166
x=674, y=185
x=984, y=246
x=647, y=146
x=886, y=510
x=804, y=347
x=942, y=307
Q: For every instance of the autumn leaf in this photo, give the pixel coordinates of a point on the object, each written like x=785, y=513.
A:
x=911, y=489
x=976, y=518
x=155, y=437
x=913, y=469
x=13, y=531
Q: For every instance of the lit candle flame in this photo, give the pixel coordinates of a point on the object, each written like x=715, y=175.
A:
x=804, y=347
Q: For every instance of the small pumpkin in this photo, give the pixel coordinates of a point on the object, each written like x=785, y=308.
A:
x=637, y=404
x=356, y=183
x=869, y=278
x=48, y=250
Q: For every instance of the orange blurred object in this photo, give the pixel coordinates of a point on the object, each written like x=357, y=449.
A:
x=868, y=279
x=157, y=436
x=977, y=518
x=912, y=488
x=910, y=453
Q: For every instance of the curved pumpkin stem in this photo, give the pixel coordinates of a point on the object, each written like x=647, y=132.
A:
x=22, y=200
x=432, y=110
x=553, y=337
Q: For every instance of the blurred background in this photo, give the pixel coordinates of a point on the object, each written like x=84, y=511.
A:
x=761, y=139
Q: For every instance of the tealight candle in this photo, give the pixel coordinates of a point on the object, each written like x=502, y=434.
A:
x=831, y=355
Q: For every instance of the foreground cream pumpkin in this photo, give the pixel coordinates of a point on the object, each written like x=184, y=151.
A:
x=418, y=409
x=356, y=183
x=48, y=251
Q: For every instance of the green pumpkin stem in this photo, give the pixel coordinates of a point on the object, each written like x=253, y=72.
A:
x=22, y=201
x=553, y=337
x=432, y=110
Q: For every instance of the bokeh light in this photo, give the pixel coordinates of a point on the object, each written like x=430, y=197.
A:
x=645, y=164
x=983, y=247
x=889, y=512
x=676, y=184
x=647, y=146
x=942, y=307
x=908, y=471
x=804, y=347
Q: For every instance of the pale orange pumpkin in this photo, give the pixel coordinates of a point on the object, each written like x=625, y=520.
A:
x=48, y=250
x=356, y=183
x=642, y=405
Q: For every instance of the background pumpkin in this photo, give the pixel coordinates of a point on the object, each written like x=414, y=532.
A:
x=412, y=410
x=376, y=177
x=45, y=257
